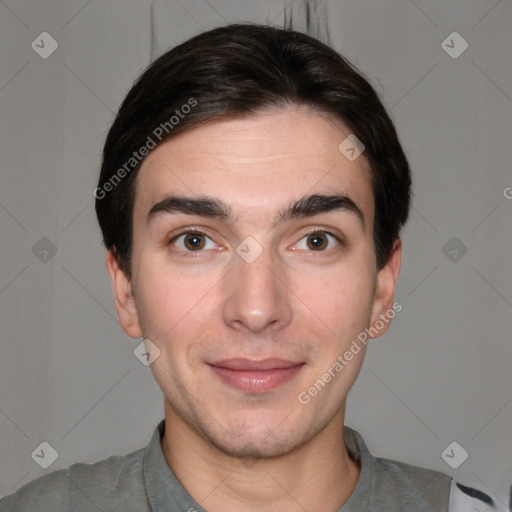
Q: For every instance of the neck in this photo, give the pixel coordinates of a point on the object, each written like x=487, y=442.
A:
x=319, y=475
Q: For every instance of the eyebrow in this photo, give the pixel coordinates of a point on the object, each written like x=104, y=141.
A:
x=211, y=207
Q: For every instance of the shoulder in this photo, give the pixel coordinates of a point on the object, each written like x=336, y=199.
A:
x=109, y=484
x=418, y=485
x=396, y=485
x=414, y=486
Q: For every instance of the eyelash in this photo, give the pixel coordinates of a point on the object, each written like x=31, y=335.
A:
x=200, y=232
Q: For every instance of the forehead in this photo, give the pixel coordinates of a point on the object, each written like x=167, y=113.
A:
x=256, y=164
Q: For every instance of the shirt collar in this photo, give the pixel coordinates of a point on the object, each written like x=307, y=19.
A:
x=164, y=491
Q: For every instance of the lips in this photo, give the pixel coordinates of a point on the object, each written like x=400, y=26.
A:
x=255, y=376
x=252, y=365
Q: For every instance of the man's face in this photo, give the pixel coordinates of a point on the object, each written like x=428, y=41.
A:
x=221, y=313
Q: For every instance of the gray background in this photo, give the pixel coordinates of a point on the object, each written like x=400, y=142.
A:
x=442, y=373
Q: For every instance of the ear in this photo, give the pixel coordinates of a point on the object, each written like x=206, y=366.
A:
x=124, y=299
x=385, y=292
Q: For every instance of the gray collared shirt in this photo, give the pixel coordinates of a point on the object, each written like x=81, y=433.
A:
x=142, y=481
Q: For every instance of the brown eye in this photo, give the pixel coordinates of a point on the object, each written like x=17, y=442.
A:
x=317, y=241
x=194, y=241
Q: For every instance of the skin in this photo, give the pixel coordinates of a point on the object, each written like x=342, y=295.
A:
x=231, y=449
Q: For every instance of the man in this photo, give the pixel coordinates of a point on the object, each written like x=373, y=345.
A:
x=251, y=197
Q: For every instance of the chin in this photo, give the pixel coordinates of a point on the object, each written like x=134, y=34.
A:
x=259, y=439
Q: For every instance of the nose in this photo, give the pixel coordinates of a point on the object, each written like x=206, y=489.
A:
x=256, y=296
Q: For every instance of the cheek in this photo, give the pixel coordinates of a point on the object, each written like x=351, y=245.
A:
x=170, y=301
x=341, y=302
